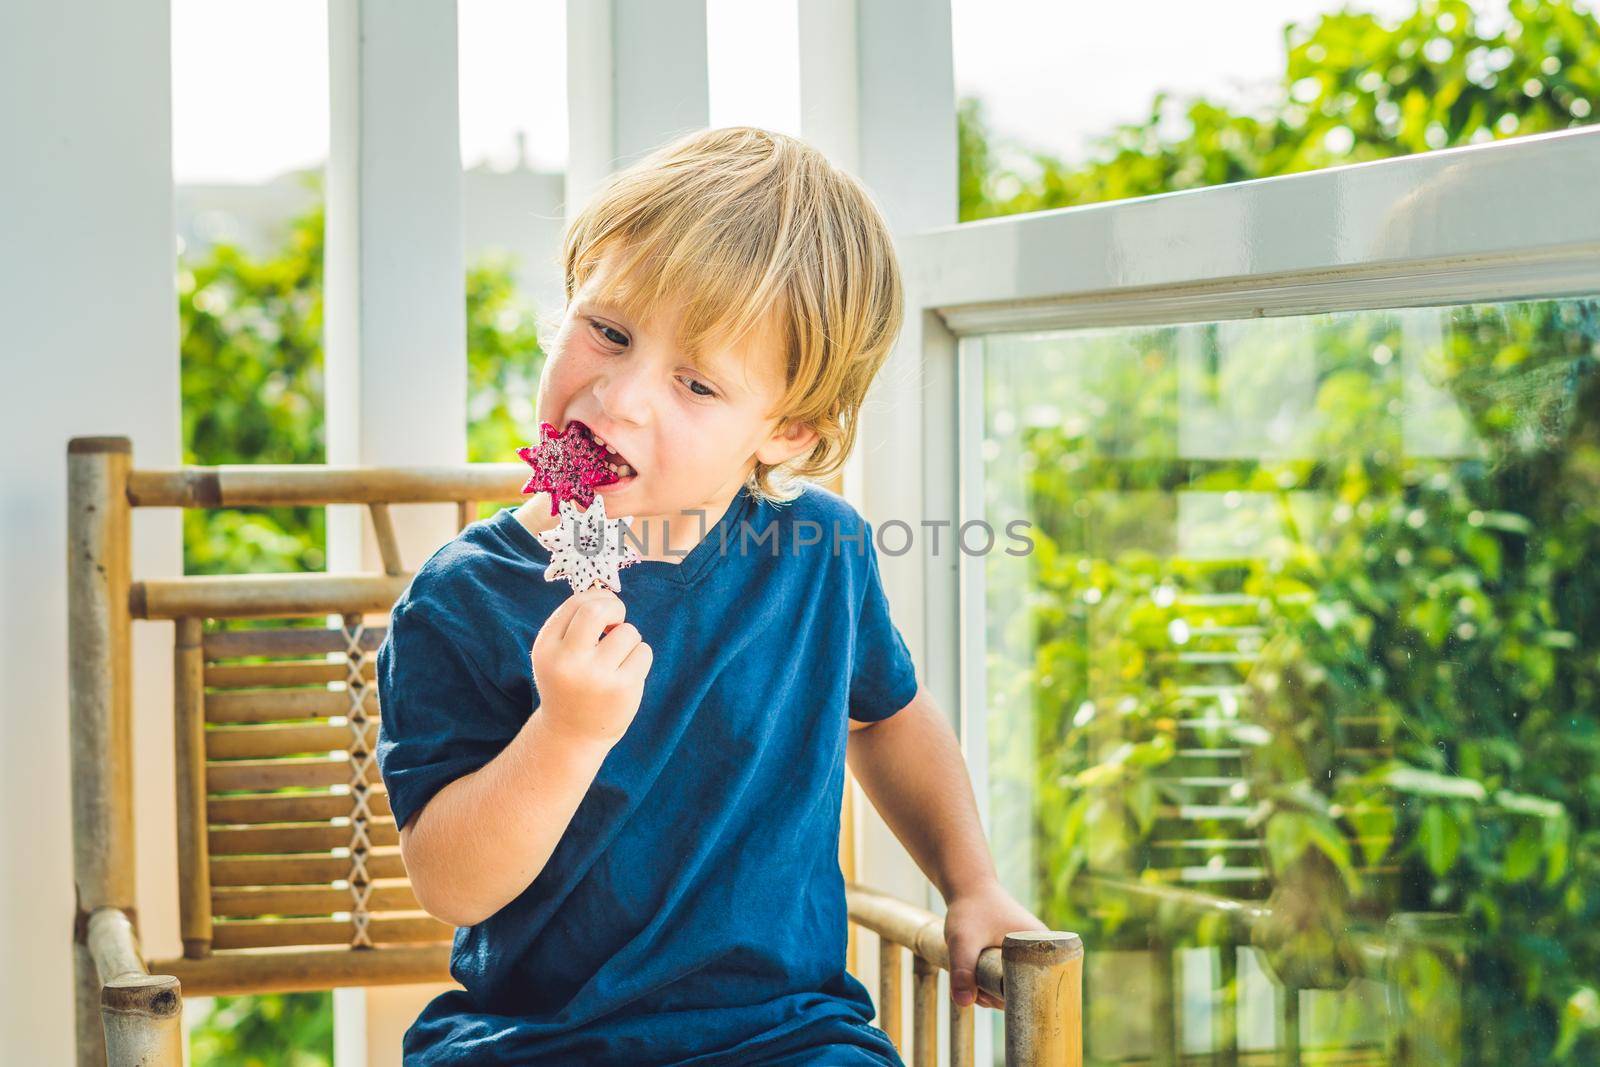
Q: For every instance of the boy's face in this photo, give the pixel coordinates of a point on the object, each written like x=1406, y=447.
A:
x=691, y=434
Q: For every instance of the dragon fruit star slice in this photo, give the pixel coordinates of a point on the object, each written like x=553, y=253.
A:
x=568, y=465
x=587, y=548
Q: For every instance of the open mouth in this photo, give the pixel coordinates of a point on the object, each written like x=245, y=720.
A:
x=607, y=460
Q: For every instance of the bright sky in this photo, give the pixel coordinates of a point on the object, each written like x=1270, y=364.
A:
x=250, y=77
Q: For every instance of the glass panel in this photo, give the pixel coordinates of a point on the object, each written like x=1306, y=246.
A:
x=1297, y=719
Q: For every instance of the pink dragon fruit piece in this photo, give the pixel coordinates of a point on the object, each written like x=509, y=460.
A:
x=567, y=465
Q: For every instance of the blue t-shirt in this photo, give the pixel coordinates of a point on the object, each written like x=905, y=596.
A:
x=694, y=911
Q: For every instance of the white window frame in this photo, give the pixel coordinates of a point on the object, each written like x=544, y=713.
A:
x=1509, y=220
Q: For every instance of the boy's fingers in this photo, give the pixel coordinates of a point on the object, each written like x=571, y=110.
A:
x=618, y=640
x=639, y=658
x=599, y=606
x=556, y=624
x=963, y=972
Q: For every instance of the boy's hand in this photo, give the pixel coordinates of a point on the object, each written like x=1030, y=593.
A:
x=974, y=921
x=589, y=667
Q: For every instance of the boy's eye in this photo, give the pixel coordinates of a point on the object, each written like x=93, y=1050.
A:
x=607, y=332
x=692, y=382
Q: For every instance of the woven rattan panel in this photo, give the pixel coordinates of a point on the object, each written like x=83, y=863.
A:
x=301, y=847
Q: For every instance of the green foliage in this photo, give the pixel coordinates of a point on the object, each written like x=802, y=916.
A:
x=251, y=383
x=504, y=362
x=1353, y=89
x=1389, y=608
x=277, y=1030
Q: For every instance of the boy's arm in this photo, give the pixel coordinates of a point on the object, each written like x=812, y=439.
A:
x=484, y=838
x=911, y=768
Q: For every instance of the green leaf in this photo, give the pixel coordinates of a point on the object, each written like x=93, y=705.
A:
x=1522, y=858
x=1415, y=780
x=1440, y=839
x=1524, y=804
x=1290, y=833
x=1507, y=521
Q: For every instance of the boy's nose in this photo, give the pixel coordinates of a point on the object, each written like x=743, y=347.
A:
x=624, y=394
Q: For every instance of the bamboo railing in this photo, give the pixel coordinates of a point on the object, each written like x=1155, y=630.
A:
x=289, y=874
x=1039, y=976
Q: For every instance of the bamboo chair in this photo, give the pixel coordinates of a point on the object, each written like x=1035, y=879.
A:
x=289, y=872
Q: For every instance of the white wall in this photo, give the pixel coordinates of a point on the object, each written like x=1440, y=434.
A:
x=90, y=347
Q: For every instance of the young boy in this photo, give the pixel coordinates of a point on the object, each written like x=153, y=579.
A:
x=638, y=837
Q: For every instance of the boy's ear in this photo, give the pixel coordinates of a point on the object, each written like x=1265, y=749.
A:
x=788, y=441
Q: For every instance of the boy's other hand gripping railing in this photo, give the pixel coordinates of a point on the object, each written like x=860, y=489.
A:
x=289, y=877
x=1037, y=975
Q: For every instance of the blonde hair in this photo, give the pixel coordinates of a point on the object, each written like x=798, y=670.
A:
x=744, y=226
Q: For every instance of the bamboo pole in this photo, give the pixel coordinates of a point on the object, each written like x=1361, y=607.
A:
x=254, y=901
x=189, y=740
x=963, y=1038
x=265, y=742
x=268, y=707
x=286, y=641
x=388, y=544
x=141, y=1013
x=99, y=702
x=295, y=837
x=226, y=775
x=295, y=933
x=891, y=971
x=1044, y=998
x=299, y=970
x=309, y=485
x=288, y=807
x=242, y=596
x=300, y=870
x=924, y=1013
x=280, y=704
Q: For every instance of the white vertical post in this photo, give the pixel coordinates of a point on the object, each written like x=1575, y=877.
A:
x=396, y=320
x=636, y=78
x=830, y=91
x=89, y=301
x=877, y=94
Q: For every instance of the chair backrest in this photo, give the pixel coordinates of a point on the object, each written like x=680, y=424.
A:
x=289, y=874
x=286, y=839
